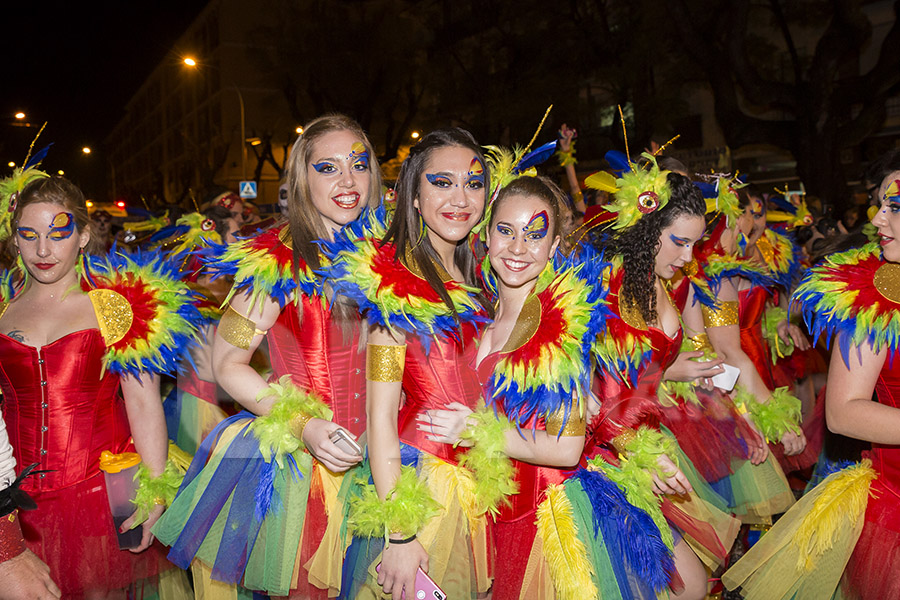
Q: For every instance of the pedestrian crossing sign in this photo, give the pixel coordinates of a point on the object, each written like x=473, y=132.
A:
x=248, y=189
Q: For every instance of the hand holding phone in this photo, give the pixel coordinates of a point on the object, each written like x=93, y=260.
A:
x=426, y=588
x=343, y=440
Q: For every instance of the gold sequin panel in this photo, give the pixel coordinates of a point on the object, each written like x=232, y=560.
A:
x=621, y=441
x=114, y=315
x=237, y=330
x=726, y=314
x=701, y=342
x=385, y=363
x=887, y=281
x=575, y=426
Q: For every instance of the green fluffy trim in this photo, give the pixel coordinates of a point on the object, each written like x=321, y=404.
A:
x=487, y=459
x=773, y=317
x=780, y=414
x=274, y=429
x=152, y=489
x=669, y=393
x=405, y=510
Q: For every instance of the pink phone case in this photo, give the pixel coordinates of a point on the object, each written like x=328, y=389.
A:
x=426, y=588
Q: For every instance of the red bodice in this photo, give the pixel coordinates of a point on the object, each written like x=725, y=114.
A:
x=531, y=479
x=629, y=406
x=751, y=309
x=320, y=357
x=59, y=411
x=434, y=379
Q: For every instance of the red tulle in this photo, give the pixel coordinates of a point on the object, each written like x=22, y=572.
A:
x=513, y=541
x=871, y=573
x=72, y=531
x=313, y=532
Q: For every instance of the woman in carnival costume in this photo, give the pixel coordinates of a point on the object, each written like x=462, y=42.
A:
x=658, y=220
x=842, y=539
x=256, y=502
x=77, y=330
x=562, y=535
x=749, y=265
x=727, y=450
x=416, y=284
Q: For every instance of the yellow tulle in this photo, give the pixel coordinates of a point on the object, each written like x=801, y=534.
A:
x=325, y=566
x=803, y=556
x=725, y=526
x=564, y=552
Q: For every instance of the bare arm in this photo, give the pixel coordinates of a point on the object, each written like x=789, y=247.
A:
x=143, y=405
x=231, y=365
x=849, y=409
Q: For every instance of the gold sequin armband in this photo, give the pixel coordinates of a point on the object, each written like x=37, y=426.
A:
x=298, y=423
x=557, y=424
x=621, y=441
x=726, y=314
x=385, y=363
x=238, y=330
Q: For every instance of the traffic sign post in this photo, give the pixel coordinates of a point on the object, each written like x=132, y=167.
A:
x=248, y=190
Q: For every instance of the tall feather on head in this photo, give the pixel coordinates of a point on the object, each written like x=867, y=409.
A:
x=12, y=186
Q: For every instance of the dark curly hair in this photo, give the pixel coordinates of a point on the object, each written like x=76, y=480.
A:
x=638, y=245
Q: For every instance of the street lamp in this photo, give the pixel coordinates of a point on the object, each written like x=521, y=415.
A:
x=86, y=150
x=299, y=131
x=192, y=63
x=414, y=135
x=11, y=164
x=20, y=115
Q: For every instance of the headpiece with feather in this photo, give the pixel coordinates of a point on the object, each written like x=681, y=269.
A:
x=12, y=186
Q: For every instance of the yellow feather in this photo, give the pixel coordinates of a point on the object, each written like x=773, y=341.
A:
x=565, y=554
x=834, y=513
x=178, y=456
x=603, y=181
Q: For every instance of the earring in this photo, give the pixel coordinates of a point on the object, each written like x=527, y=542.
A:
x=422, y=230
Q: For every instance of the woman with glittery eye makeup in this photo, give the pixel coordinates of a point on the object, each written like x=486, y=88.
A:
x=853, y=298
x=75, y=342
x=310, y=412
x=415, y=283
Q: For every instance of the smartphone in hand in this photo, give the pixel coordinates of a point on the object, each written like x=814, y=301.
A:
x=343, y=440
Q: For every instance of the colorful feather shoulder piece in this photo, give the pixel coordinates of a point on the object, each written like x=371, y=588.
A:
x=782, y=257
x=147, y=315
x=692, y=276
x=625, y=345
x=190, y=232
x=719, y=266
x=546, y=365
x=263, y=266
x=854, y=296
x=388, y=291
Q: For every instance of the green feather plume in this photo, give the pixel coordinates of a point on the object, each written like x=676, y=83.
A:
x=152, y=488
x=407, y=508
x=487, y=460
x=775, y=417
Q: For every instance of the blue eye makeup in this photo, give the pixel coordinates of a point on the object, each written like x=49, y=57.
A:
x=475, y=176
x=441, y=181
x=505, y=229
x=324, y=167
x=27, y=233
x=359, y=156
x=679, y=241
x=537, y=226
x=62, y=227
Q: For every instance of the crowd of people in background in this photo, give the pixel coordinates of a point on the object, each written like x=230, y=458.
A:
x=490, y=378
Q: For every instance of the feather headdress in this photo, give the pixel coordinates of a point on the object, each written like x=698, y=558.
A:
x=12, y=186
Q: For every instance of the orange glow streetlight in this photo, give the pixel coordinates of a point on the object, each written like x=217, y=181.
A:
x=86, y=150
x=414, y=135
x=20, y=115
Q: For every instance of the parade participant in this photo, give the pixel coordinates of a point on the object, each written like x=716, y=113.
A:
x=102, y=221
x=535, y=364
x=75, y=331
x=845, y=531
x=284, y=467
x=658, y=220
x=24, y=575
x=416, y=284
x=745, y=266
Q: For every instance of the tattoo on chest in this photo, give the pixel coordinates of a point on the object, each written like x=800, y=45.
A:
x=17, y=335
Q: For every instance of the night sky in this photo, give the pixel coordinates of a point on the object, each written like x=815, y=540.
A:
x=75, y=65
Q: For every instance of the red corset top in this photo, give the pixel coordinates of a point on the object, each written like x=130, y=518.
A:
x=752, y=308
x=532, y=479
x=321, y=358
x=627, y=407
x=885, y=458
x=432, y=380
x=59, y=411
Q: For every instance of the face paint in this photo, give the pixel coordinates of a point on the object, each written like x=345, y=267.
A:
x=756, y=207
x=537, y=227
x=441, y=181
x=324, y=167
x=678, y=241
x=62, y=227
x=27, y=233
x=359, y=156
x=892, y=193
x=476, y=172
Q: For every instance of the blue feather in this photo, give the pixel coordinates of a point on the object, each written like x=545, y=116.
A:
x=618, y=161
x=629, y=530
x=265, y=489
x=37, y=157
x=708, y=189
x=535, y=157
x=782, y=204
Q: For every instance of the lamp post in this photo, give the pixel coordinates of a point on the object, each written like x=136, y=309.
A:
x=192, y=64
